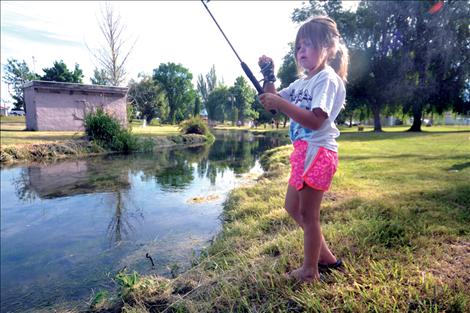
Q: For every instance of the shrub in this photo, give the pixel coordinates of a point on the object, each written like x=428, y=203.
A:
x=125, y=142
x=194, y=125
x=101, y=127
x=106, y=131
x=155, y=122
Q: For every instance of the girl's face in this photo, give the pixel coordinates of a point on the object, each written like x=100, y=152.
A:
x=308, y=56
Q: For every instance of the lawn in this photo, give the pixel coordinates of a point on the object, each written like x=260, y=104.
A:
x=12, y=132
x=398, y=215
x=148, y=130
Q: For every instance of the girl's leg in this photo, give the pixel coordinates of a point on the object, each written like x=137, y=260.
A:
x=292, y=206
x=326, y=256
x=310, y=200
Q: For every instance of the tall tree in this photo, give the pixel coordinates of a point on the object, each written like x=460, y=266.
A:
x=366, y=31
x=211, y=79
x=113, y=54
x=197, y=105
x=15, y=75
x=244, y=98
x=207, y=85
x=60, y=73
x=334, y=8
x=202, y=88
x=176, y=80
x=437, y=46
x=287, y=72
x=148, y=98
x=218, y=103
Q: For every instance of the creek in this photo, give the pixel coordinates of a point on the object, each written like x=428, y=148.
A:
x=68, y=227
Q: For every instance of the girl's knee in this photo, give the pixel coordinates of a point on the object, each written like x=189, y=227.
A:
x=310, y=216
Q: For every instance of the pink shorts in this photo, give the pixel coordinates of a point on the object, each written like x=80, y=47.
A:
x=316, y=170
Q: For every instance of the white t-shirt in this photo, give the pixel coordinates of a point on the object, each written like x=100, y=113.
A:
x=324, y=90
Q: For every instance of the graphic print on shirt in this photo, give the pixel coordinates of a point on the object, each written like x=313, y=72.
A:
x=301, y=98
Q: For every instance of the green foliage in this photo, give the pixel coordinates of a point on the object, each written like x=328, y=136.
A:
x=149, y=98
x=194, y=125
x=60, y=73
x=244, y=98
x=99, y=299
x=108, y=133
x=176, y=81
x=101, y=127
x=127, y=283
x=207, y=85
x=130, y=112
x=287, y=72
x=100, y=77
x=16, y=74
x=263, y=115
x=402, y=56
x=197, y=105
x=218, y=104
x=155, y=122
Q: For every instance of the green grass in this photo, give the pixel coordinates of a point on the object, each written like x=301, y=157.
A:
x=432, y=129
x=398, y=215
x=148, y=131
x=12, y=132
x=19, y=145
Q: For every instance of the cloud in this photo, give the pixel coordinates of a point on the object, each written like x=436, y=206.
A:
x=37, y=35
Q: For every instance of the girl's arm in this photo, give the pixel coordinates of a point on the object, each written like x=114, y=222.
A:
x=272, y=101
x=269, y=87
x=309, y=119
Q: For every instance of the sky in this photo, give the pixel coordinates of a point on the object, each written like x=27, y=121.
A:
x=41, y=32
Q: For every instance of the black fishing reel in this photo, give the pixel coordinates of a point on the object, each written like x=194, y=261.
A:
x=267, y=69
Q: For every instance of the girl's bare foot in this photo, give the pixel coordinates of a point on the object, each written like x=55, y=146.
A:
x=303, y=275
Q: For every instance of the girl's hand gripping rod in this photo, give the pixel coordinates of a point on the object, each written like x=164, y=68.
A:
x=245, y=67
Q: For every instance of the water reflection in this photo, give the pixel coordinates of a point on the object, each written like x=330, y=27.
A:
x=173, y=170
x=66, y=225
x=123, y=220
x=69, y=178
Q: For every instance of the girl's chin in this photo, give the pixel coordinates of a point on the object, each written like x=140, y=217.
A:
x=306, y=67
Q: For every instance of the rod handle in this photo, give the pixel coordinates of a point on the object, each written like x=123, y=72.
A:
x=254, y=81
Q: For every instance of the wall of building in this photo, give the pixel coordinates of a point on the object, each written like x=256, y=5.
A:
x=57, y=106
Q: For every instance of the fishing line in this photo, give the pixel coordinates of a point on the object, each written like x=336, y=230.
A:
x=245, y=67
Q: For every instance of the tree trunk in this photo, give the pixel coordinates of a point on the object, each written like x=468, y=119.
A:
x=417, y=115
x=377, y=123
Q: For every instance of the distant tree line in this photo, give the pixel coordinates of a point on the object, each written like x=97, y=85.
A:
x=407, y=58
x=17, y=73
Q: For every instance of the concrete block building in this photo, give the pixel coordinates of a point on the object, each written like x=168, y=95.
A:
x=59, y=106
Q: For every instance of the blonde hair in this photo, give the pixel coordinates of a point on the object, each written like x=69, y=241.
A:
x=322, y=32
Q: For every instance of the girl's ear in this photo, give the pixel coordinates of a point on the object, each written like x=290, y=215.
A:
x=323, y=55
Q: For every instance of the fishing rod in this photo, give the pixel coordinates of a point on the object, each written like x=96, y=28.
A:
x=266, y=68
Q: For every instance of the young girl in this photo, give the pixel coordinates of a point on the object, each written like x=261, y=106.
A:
x=312, y=103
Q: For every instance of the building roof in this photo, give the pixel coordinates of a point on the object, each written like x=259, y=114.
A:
x=47, y=85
